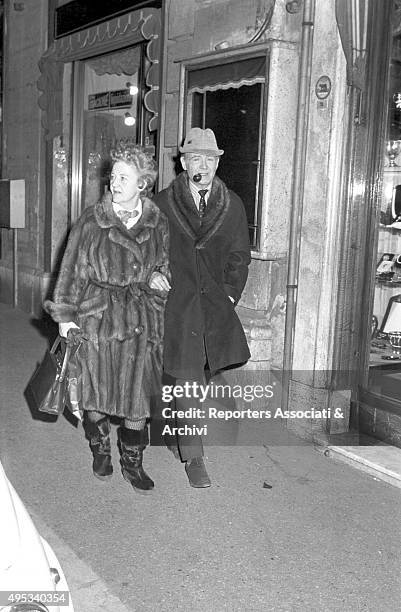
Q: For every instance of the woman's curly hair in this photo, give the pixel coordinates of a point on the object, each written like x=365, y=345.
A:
x=138, y=157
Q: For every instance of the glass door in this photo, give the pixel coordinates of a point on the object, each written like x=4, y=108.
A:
x=108, y=93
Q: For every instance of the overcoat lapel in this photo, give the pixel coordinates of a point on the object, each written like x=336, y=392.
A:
x=181, y=203
x=182, y=206
x=216, y=212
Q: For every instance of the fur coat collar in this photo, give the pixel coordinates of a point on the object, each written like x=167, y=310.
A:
x=183, y=207
x=106, y=218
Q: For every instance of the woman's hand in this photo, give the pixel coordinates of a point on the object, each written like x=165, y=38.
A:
x=159, y=281
x=63, y=328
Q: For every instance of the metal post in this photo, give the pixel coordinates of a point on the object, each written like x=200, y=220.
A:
x=15, y=268
x=297, y=192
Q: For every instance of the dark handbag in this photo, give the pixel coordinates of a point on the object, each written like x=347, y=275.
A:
x=48, y=386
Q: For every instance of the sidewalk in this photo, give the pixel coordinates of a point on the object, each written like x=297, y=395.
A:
x=283, y=528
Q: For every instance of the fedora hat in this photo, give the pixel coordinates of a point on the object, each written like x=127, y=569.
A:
x=201, y=141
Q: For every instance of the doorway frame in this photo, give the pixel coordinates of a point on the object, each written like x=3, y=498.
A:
x=142, y=26
x=219, y=58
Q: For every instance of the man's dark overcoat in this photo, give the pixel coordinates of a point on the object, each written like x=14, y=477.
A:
x=209, y=261
x=103, y=287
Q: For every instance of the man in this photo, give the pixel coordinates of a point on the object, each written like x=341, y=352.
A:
x=209, y=259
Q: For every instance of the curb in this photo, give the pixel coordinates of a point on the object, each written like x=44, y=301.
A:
x=89, y=593
x=380, y=461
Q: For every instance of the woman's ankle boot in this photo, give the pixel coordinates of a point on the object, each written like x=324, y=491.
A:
x=99, y=442
x=132, y=444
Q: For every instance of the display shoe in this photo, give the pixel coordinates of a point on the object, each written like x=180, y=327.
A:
x=99, y=442
x=197, y=474
x=132, y=443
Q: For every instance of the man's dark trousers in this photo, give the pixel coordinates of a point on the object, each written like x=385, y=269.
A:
x=189, y=446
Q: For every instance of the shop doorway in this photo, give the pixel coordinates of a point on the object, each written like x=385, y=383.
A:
x=99, y=83
x=108, y=108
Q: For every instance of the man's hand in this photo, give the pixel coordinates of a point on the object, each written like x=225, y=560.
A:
x=159, y=281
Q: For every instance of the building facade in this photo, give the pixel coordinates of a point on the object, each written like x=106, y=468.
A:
x=298, y=95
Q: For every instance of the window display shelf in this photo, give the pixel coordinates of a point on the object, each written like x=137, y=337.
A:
x=394, y=227
x=388, y=283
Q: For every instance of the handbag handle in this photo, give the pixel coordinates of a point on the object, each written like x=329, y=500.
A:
x=66, y=357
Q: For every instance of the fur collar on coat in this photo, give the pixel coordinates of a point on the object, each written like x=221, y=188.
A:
x=183, y=207
x=106, y=217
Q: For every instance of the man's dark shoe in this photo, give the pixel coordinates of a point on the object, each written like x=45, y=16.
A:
x=197, y=474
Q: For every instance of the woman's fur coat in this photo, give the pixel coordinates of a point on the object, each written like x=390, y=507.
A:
x=103, y=287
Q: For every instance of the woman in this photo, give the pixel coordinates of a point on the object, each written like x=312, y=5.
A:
x=111, y=290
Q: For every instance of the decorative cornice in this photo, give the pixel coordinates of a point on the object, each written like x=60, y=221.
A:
x=102, y=34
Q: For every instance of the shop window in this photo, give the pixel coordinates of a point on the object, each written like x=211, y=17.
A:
x=1, y=62
x=1, y=92
x=228, y=97
x=109, y=105
x=385, y=351
x=112, y=87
